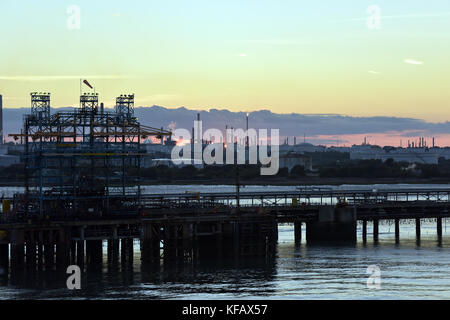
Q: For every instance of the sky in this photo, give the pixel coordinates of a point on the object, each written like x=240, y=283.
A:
x=356, y=58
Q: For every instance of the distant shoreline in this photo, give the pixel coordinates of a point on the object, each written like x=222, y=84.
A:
x=281, y=181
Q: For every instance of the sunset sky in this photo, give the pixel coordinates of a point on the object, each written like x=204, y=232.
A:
x=284, y=56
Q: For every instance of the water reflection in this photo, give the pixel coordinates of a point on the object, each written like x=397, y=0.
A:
x=408, y=270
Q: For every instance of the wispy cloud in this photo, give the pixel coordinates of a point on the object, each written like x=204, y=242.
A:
x=374, y=72
x=412, y=61
x=62, y=77
x=401, y=16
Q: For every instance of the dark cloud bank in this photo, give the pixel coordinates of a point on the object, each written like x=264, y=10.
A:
x=289, y=124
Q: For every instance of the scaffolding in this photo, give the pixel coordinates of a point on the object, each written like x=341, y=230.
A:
x=82, y=162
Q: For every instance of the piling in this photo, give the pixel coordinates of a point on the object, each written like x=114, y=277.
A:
x=297, y=233
x=364, y=231
x=418, y=229
x=17, y=249
x=375, y=230
x=439, y=228
x=4, y=257
x=335, y=224
x=397, y=230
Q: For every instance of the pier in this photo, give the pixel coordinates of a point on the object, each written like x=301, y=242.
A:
x=191, y=226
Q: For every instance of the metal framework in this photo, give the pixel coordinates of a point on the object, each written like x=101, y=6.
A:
x=86, y=161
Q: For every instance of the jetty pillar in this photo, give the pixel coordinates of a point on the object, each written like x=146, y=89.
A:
x=376, y=223
x=397, y=230
x=364, y=231
x=17, y=249
x=4, y=258
x=94, y=254
x=187, y=240
x=150, y=243
x=334, y=225
x=130, y=251
x=40, y=251
x=418, y=229
x=49, y=250
x=80, y=244
x=62, y=248
x=30, y=250
x=297, y=233
x=439, y=228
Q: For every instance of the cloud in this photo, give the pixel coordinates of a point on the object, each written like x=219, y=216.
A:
x=401, y=16
x=315, y=126
x=374, y=72
x=412, y=61
x=61, y=77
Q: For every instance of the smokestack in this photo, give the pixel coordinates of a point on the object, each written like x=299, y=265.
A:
x=1, y=119
x=102, y=107
x=433, y=142
x=246, y=139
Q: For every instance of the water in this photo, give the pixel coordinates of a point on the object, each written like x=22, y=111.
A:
x=409, y=270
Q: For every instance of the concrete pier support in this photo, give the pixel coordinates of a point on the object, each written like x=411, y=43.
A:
x=397, y=230
x=439, y=228
x=126, y=251
x=40, y=250
x=62, y=248
x=150, y=243
x=94, y=252
x=364, y=231
x=236, y=238
x=73, y=252
x=17, y=249
x=188, y=240
x=297, y=233
x=30, y=250
x=418, y=229
x=49, y=250
x=376, y=223
x=130, y=251
x=4, y=258
x=335, y=224
x=80, y=253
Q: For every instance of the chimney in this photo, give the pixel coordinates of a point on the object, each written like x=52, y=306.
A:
x=433, y=142
x=102, y=108
x=1, y=119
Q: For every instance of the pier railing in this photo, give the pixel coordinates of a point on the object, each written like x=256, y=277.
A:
x=296, y=198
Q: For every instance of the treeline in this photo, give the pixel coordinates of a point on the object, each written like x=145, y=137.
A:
x=386, y=169
x=227, y=172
